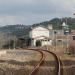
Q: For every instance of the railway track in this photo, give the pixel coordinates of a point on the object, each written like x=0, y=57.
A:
x=43, y=57
x=58, y=61
x=40, y=62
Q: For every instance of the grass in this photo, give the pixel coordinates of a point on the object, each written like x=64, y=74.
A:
x=17, y=68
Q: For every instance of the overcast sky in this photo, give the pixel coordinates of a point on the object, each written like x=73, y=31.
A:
x=34, y=11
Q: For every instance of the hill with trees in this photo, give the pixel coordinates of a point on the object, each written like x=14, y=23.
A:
x=57, y=22
x=18, y=30
x=23, y=30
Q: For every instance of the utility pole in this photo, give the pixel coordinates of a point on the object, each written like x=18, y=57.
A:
x=55, y=35
x=14, y=42
x=9, y=40
x=74, y=50
x=62, y=33
x=53, y=39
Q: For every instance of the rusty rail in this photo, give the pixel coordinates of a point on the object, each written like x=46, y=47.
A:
x=58, y=61
x=40, y=62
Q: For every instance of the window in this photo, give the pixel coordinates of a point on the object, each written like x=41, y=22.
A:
x=73, y=37
x=59, y=42
x=55, y=32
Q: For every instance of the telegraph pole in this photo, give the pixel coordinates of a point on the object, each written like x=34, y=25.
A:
x=9, y=40
x=62, y=33
x=14, y=42
x=74, y=50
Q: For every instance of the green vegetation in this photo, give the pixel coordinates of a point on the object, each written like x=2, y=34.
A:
x=23, y=30
x=56, y=22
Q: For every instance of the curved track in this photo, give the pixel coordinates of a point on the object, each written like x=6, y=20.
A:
x=40, y=62
x=58, y=61
x=36, y=67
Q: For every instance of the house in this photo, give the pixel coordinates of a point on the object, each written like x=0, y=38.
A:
x=40, y=36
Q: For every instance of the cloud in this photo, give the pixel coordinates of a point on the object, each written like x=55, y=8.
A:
x=33, y=11
x=9, y=20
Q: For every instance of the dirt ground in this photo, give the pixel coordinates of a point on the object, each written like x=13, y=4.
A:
x=19, y=67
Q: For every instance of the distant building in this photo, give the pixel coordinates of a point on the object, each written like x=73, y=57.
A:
x=40, y=36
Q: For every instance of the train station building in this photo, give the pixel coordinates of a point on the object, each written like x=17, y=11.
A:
x=40, y=36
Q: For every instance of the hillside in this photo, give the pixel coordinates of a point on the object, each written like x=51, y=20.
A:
x=56, y=22
x=18, y=30
x=23, y=30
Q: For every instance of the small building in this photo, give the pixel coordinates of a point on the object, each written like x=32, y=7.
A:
x=40, y=36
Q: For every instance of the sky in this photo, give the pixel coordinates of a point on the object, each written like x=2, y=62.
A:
x=28, y=12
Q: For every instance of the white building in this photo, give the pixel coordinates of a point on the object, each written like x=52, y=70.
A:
x=40, y=36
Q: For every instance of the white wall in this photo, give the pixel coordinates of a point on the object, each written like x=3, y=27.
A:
x=39, y=31
x=47, y=42
x=2, y=52
x=33, y=42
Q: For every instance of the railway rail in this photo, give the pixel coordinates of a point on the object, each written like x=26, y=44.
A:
x=42, y=59
x=58, y=61
x=40, y=62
